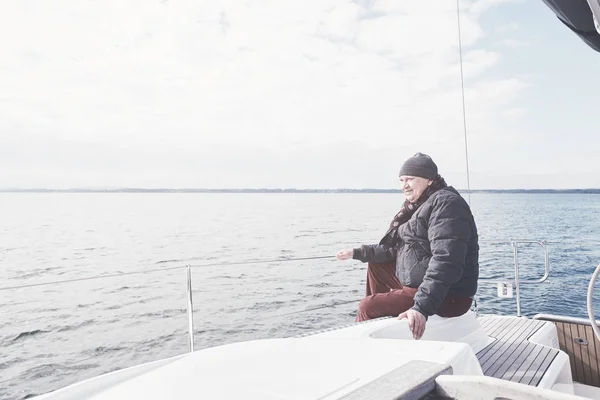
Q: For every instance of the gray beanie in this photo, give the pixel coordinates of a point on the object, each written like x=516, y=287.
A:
x=419, y=165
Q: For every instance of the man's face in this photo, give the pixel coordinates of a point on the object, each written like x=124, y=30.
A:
x=413, y=187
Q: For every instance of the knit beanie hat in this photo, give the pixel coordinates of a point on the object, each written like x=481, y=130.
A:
x=419, y=165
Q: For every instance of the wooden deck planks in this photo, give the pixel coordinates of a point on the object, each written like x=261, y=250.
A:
x=512, y=356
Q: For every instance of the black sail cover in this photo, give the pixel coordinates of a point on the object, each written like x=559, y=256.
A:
x=577, y=15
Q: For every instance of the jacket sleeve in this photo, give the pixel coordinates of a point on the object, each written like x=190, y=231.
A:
x=449, y=233
x=377, y=253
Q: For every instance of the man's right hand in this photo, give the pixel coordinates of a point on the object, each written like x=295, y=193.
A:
x=345, y=254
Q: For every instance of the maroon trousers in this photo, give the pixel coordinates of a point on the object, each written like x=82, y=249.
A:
x=386, y=297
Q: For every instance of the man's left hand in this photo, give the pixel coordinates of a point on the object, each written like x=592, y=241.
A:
x=416, y=322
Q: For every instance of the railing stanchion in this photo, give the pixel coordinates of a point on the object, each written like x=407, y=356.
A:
x=517, y=289
x=190, y=308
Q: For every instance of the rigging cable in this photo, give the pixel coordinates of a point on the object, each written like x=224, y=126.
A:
x=462, y=86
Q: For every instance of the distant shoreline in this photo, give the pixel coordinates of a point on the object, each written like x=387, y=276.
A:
x=141, y=190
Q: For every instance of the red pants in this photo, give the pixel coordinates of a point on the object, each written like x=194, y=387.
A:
x=386, y=297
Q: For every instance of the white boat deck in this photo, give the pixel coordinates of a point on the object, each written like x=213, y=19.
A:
x=466, y=357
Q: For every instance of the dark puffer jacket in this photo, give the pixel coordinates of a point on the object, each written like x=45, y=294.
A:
x=436, y=251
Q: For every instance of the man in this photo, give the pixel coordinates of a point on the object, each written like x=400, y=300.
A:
x=428, y=261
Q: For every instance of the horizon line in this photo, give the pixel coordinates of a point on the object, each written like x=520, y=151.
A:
x=270, y=190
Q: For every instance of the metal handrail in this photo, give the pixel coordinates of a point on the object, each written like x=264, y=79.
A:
x=515, y=243
x=517, y=281
x=189, y=296
x=162, y=269
x=546, y=259
x=590, y=300
x=563, y=318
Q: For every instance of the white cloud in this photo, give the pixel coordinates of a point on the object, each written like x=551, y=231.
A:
x=230, y=93
x=514, y=43
x=483, y=6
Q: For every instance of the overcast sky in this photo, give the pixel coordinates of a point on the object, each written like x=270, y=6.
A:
x=292, y=94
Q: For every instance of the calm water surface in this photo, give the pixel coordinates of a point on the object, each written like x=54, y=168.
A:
x=52, y=336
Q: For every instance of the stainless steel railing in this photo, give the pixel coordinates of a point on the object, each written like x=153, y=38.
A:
x=189, y=297
x=190, y=308
x=517, y=280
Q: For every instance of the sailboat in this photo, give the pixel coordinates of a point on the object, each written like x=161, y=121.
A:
x=468, y=357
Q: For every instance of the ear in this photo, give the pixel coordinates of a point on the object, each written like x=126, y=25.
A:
x=429, y=183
